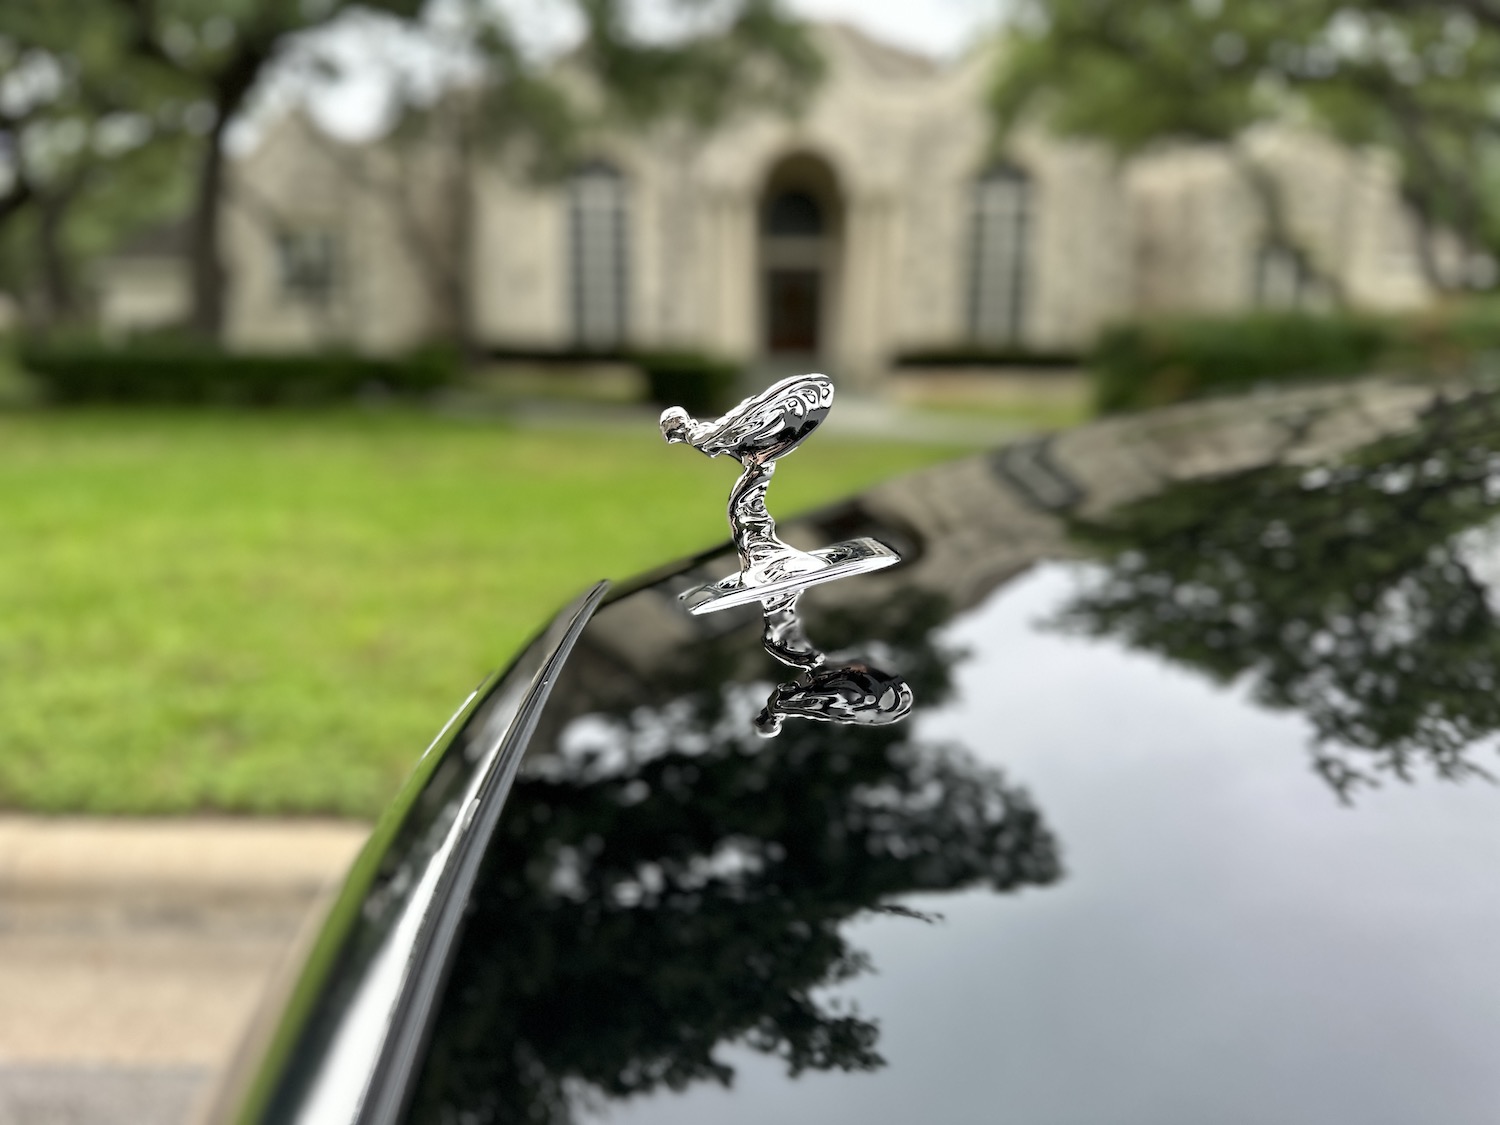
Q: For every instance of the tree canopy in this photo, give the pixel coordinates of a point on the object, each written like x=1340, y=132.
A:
x=1416, y=77
x=82, y=126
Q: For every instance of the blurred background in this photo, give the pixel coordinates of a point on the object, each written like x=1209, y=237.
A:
x=332, y=337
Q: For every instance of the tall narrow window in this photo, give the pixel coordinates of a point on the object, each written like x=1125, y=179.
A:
x=307, y=264
x=997, y=272
x=598, y=255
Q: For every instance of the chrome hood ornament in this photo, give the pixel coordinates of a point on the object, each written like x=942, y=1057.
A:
x=757, y=433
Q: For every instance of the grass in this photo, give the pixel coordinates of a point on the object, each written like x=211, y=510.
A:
x=275, y=613
x=1037, y=414
x=1048, y=402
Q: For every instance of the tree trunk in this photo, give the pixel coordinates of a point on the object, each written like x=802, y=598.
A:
x=461, y=260
x=208, y=276
x=16, y=198
x=59, y=295
x=1424, y=237
x=1267, y=191
x=18, y=194
x=206, y=265
x=1426, y=185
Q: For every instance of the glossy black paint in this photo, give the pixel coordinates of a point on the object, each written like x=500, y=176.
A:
x=679, y=923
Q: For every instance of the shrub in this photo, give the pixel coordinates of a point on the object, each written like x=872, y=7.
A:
x=1152, y=363
x=1463, y=337
x=166, y=373
x=978, y=355
x=698, y=383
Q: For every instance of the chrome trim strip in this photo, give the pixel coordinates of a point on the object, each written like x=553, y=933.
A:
x=352, y=1033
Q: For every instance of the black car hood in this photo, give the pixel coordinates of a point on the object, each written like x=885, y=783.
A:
x=1143, y=853
x=1188, y=823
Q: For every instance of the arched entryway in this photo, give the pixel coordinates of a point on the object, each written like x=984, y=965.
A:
x=801, y=224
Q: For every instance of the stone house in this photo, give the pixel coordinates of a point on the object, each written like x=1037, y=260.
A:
x=881, y=223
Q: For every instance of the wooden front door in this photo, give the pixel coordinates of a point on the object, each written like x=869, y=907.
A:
x=792, y=310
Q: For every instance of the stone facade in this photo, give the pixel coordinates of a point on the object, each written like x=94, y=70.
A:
x=879, y=222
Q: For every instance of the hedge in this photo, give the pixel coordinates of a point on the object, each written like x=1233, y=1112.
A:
x=983, y=356
x=169, y=372
x=1156, y=362
x=698, y=383
x=95, y=373
x=1462, y=337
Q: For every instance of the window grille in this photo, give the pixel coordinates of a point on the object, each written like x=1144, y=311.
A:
x=598, y=255
x=997, y=275
x=307, y=264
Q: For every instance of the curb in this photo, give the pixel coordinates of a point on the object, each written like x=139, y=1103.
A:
x=65, y=857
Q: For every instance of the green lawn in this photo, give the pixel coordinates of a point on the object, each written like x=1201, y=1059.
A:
x=276, y=612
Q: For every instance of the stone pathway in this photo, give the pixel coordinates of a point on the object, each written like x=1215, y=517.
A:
x=860, y=418
x=133, y=955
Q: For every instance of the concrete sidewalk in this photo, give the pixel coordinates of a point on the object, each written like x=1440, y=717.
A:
x=133, y=954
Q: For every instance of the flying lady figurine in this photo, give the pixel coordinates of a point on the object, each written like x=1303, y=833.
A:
x=757, y=433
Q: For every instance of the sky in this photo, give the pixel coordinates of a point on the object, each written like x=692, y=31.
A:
x=357, y=105
x=937, y=27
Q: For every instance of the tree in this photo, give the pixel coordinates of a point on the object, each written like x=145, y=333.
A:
x=1349, y=594
x=220, y=50
x=79, y=121
x=1414, y=76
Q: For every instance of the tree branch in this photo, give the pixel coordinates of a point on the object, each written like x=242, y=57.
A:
x=1481, y=11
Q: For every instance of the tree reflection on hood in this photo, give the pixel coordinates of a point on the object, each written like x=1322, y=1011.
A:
x=664, y=881
x=1351, y=593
